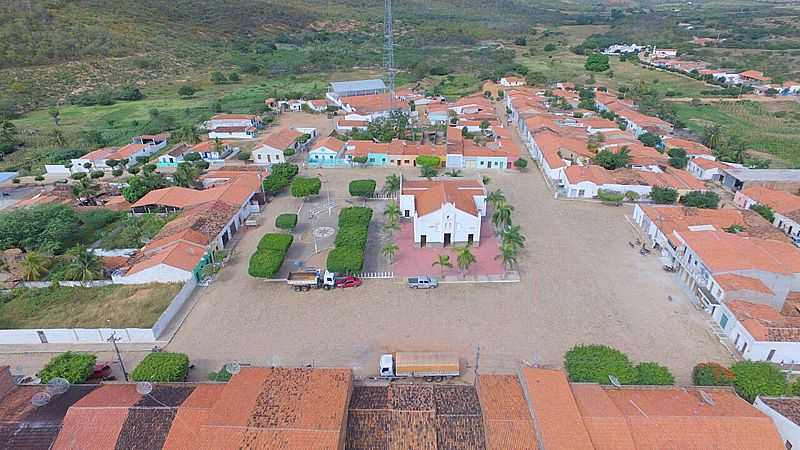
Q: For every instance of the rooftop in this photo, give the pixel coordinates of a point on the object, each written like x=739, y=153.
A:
x=765, y=323
x=788, y=407
x=727, y=252
x=280, y=139
x=776, y=175
x=357, y=85
x=780, y=201
x=431, y=195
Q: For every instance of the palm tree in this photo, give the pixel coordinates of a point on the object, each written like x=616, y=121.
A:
x=465, y=258
x=86, y=190
x=392, y=213
x=712, y=135
x=508, y=254
x=189, y=135
x=442, y=261
x=33, y=266
x=392, y=184
x=496, y=197
x=501, y=218
x=390, y=251
x=512, y=237
x=83, y=265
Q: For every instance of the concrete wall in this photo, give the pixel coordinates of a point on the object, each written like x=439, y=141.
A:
x=174, y=307
x=789, y=431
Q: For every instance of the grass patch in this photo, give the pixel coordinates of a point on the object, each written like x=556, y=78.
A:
x=67, y=307
x=756, y=125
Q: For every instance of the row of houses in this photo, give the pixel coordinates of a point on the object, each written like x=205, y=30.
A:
x=207, y=220
x=565, y=146
x=743, y=270
x=325, y=409
x=125, y=156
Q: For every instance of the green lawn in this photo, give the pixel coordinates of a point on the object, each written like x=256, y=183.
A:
x=755, y=124
x=64, y=307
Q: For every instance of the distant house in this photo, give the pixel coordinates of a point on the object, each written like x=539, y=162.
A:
x=622, y=49
x=737, y=179
x=658, y=53
x=209, y=151
x=270, y=148
x=126, y=155
x=345, y=126
x=641, y=123
x=365, y=107
x=753, y=77
x=706, y=169
x=233, y=126
x=356, y=88
x=512, y=81
x=445, y=212
x=785, y=206
x=327, y=152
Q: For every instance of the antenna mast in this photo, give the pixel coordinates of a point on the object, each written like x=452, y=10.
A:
x=388, y=49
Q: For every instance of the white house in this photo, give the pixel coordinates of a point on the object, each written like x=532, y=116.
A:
x=785, y=414
x=445, y=211
x=622, y=49
x=511, y=81
x=785, y=206
x=759, y=332
x=126, y=155
x=706, y=169
x=659, y=53
x=233, y=126
x=270, y=149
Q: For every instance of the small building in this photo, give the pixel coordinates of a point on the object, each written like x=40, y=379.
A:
x=759, y=332
x=270, y=149
x=328, y=152
x=512, y=81
x=346, y=126
x=753, y=77
x=707, y=169
x=233, y=126
x=736, y=179
x=622, y=49
x=660, y=53
x=785, y=206
x=357, y=87
x=445, y=211
x=785, y=414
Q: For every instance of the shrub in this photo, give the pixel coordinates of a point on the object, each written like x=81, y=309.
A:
x=428, y=161
x=287, y=170
x=345, y=260
x=163, y=367
x=764, y=211
x=754, y=378
x=117, y=172
x=78, y=175
x=289, y=152
x=265, y=263
x=712, y=374
x=243, y=155
x=663, y=195
x=362, y=188
x=186, y=91
x=610, y=196
x=97, y=174
x=700, y=199
x=597, y=62
x=75, y=367
x=594, y=363
x=38, y=178
x=521, y=163
x=651, y=373
x=16, y=180
x=275, y=183
x=355, y=215
x=286, y=221
x=223, y=376
x=276, y=241
x=306, y=187
x=360, y=159
x=650, y=140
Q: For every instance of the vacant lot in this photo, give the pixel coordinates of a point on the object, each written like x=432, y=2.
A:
x=581, y=283
x=67, y=307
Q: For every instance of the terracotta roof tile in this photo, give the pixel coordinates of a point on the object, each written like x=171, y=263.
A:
x=430, y=196
x=91, y=429
x=281, y=139
x=765, y=323
x=726, y=252
x=506, y=416
x=780, y=201
x=788, y=407
x=733, y=282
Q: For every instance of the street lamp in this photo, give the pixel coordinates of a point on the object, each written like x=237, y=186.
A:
x=113, y=339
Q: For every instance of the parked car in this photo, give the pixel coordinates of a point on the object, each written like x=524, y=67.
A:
x=423, y=282
x=348, y=282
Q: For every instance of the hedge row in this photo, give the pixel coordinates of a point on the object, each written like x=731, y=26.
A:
x=351, y=241
x=268, y=258
x=594, y=363
x=286, y=221
x=163, y=367
x=306, y=187
x=280, y=176
x=750, y=378
x=74, y=367
x=362, y=188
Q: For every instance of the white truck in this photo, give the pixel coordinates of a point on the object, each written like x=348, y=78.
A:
x=430, y=365
x=306, y=280
x=422, y=282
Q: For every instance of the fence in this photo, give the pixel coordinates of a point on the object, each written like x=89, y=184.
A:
x=376, y=275
x=101, y=335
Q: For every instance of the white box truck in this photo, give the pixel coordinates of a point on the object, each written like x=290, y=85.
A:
x=419, y=365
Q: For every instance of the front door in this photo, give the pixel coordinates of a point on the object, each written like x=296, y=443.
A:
x=446, y=239
x=470, y=239
x=423, y=240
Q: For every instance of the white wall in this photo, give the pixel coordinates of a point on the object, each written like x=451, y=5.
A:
x=76, y=336
x=787, y=352
x=789, y=431
x=160, y=273
x=448, y=219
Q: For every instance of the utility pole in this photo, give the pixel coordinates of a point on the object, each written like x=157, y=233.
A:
x=113, y=339
x=388, y=49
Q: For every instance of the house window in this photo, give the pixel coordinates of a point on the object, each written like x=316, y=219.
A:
x=581, y=192
x=788, y=445
x=407, y=213
x=372, y=160
x=771, y=354
x=723, y=320
x=481, y=162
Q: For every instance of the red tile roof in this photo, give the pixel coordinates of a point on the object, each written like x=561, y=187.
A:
x=430, y=196
x=281, y=139
x=726, y=252
x=235, y=192
x=366, y=104
x=691, y=147
x=765, y=323
x=506, y=416
x=733, y=282
x=780, y=201
x=755, y=75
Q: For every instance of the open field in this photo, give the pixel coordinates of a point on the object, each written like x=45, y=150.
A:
x=115, y=306
x=764, y=127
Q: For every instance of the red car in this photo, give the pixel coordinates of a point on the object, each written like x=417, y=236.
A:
x=348, y=282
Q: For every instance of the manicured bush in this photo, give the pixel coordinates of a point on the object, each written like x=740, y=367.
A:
x=428, y=161
x=286, y=221
x=289, y=152
x=712, y=374
x=97, y=174
x=362, y=188
x=594, y=363
x=610, y=196
x=345, y=260
x=355, y=215
x=521, y=163
x=352, y=236
x=75, y=367
x=754, y=378
x=78, y=175
x=162, y=367
x=651, y=373
x=305, y=187
x=275, y=183
x=287, y=170
x=276, y=241
x=116, y=172
x=268, y=258
x=663, y=195
x=265, y=263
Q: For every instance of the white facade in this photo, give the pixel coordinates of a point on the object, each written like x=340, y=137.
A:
x=267, y=155
x=248, y=133
x=446, y=225
x=750, y=348
x=789, y=431
x=161, y=273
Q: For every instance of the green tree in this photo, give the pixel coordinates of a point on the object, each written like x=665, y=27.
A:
x=508, y=255
x=712, y=135
x=428, y=172
x=8, y=138
x=501, y=217
x=613, y=160
x=34, y=266
x=390, y=251
x=496, y=198
x=521, y=163
x=218, y=77
x=512, y=236
x=392, y=213
x=597, y=62
x=650, y=140
x=85, y=190
x=234, y=76
x=443, y=261
x=189, y=134
x=465, y=258
x=186, y=175
x=754, y=378
x=700, y=199
x=186, y=91
x=663, y=195
x=82, y=264
x=677, y=158
x=764, y=211
x=392, y=184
